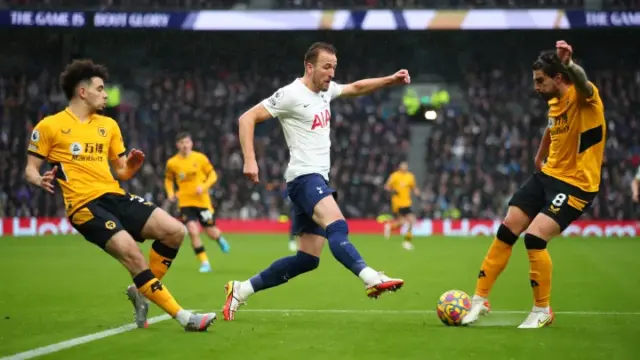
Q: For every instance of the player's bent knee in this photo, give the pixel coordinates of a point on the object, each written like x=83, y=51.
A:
x=124, y=248
x=311, y=244
x=192, y=229
x=544, y=227
x=175, y=234
x=505, y=235
x=337, y=227
x=307, y=262
x=532, y=242
x=516, y=220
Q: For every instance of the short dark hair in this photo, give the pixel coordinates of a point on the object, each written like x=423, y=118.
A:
x=550, y=64
x=311, y=56
x=79, y=71
x=182, y=135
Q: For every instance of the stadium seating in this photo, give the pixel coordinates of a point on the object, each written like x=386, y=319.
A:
x=475, y=158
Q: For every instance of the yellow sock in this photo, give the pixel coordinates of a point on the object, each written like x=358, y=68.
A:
x=409, y=235
x=155, y=291
x=494, y=262
x=540, y=275
x=160, y=258
x=201, y=254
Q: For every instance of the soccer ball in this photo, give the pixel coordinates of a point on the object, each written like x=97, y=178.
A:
x=453, y=305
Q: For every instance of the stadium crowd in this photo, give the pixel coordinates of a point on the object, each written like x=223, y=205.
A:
x=475, y=156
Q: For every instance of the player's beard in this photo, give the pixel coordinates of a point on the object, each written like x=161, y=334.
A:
x=546, y=96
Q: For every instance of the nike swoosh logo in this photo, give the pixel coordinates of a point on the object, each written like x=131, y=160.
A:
x=542, y=323
x=67, y=132
x=307, y=105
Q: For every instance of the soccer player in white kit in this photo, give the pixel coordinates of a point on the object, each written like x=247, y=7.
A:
x=304, y=113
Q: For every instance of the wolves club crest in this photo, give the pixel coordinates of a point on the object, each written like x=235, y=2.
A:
x=102, y=132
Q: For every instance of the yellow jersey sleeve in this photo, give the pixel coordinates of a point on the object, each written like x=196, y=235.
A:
x=391, y=181
x=116, y=145
x=42, y=139
x=211, y=177
x=169, y=178
x=595, y=97
x=412, y=182
x=206, y=165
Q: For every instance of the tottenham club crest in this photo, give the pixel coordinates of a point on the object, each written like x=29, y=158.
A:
x=102, y=132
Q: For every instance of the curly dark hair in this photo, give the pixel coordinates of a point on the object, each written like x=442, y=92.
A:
x=79, y=71
x=550, y=64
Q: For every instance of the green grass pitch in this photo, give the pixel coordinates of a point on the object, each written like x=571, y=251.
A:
x=54, y=289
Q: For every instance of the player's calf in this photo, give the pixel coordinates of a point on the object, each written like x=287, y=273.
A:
x=198, y=247
x=327, y=214
x=169, y=234
x=214, y=233
x=278, y=273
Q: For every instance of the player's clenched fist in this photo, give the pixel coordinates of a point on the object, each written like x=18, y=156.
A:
x=402, y=77
x=250, y=170
x=564, y=51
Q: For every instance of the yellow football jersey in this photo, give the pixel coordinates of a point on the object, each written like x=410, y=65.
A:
x=578, y=131
x=402, y=183
x=82, y=151
x=188, y=173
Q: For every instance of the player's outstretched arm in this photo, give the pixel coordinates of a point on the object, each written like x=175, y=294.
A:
x=32, y=173
x=367, y=86
x=211, y=179
x=247, y=124
x=126, y=167
x=576, y=73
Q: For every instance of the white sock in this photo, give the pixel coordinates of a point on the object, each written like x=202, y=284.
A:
x=478, y=298
x=369, y=276
x=183, y=317
x=245, y=289
x=545, y=310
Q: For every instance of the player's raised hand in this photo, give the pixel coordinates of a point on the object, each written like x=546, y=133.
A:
x=46, y=181
x=250, y=170
x=564, y=51
x=135, y=159
x=402, y=77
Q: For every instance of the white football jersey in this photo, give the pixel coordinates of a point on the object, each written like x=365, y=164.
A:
x=638, y=173
x=305, y=117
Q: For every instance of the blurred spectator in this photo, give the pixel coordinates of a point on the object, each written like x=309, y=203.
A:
x=476, y=156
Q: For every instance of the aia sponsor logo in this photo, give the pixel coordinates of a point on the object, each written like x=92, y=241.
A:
x=321, y=120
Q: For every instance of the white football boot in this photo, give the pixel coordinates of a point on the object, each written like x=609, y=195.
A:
x=538, y=318
x=479, y=306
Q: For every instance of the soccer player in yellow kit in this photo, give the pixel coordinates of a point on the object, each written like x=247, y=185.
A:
x=193, y=173
x=83, y=147
x=560, y=191
x=401, y=184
